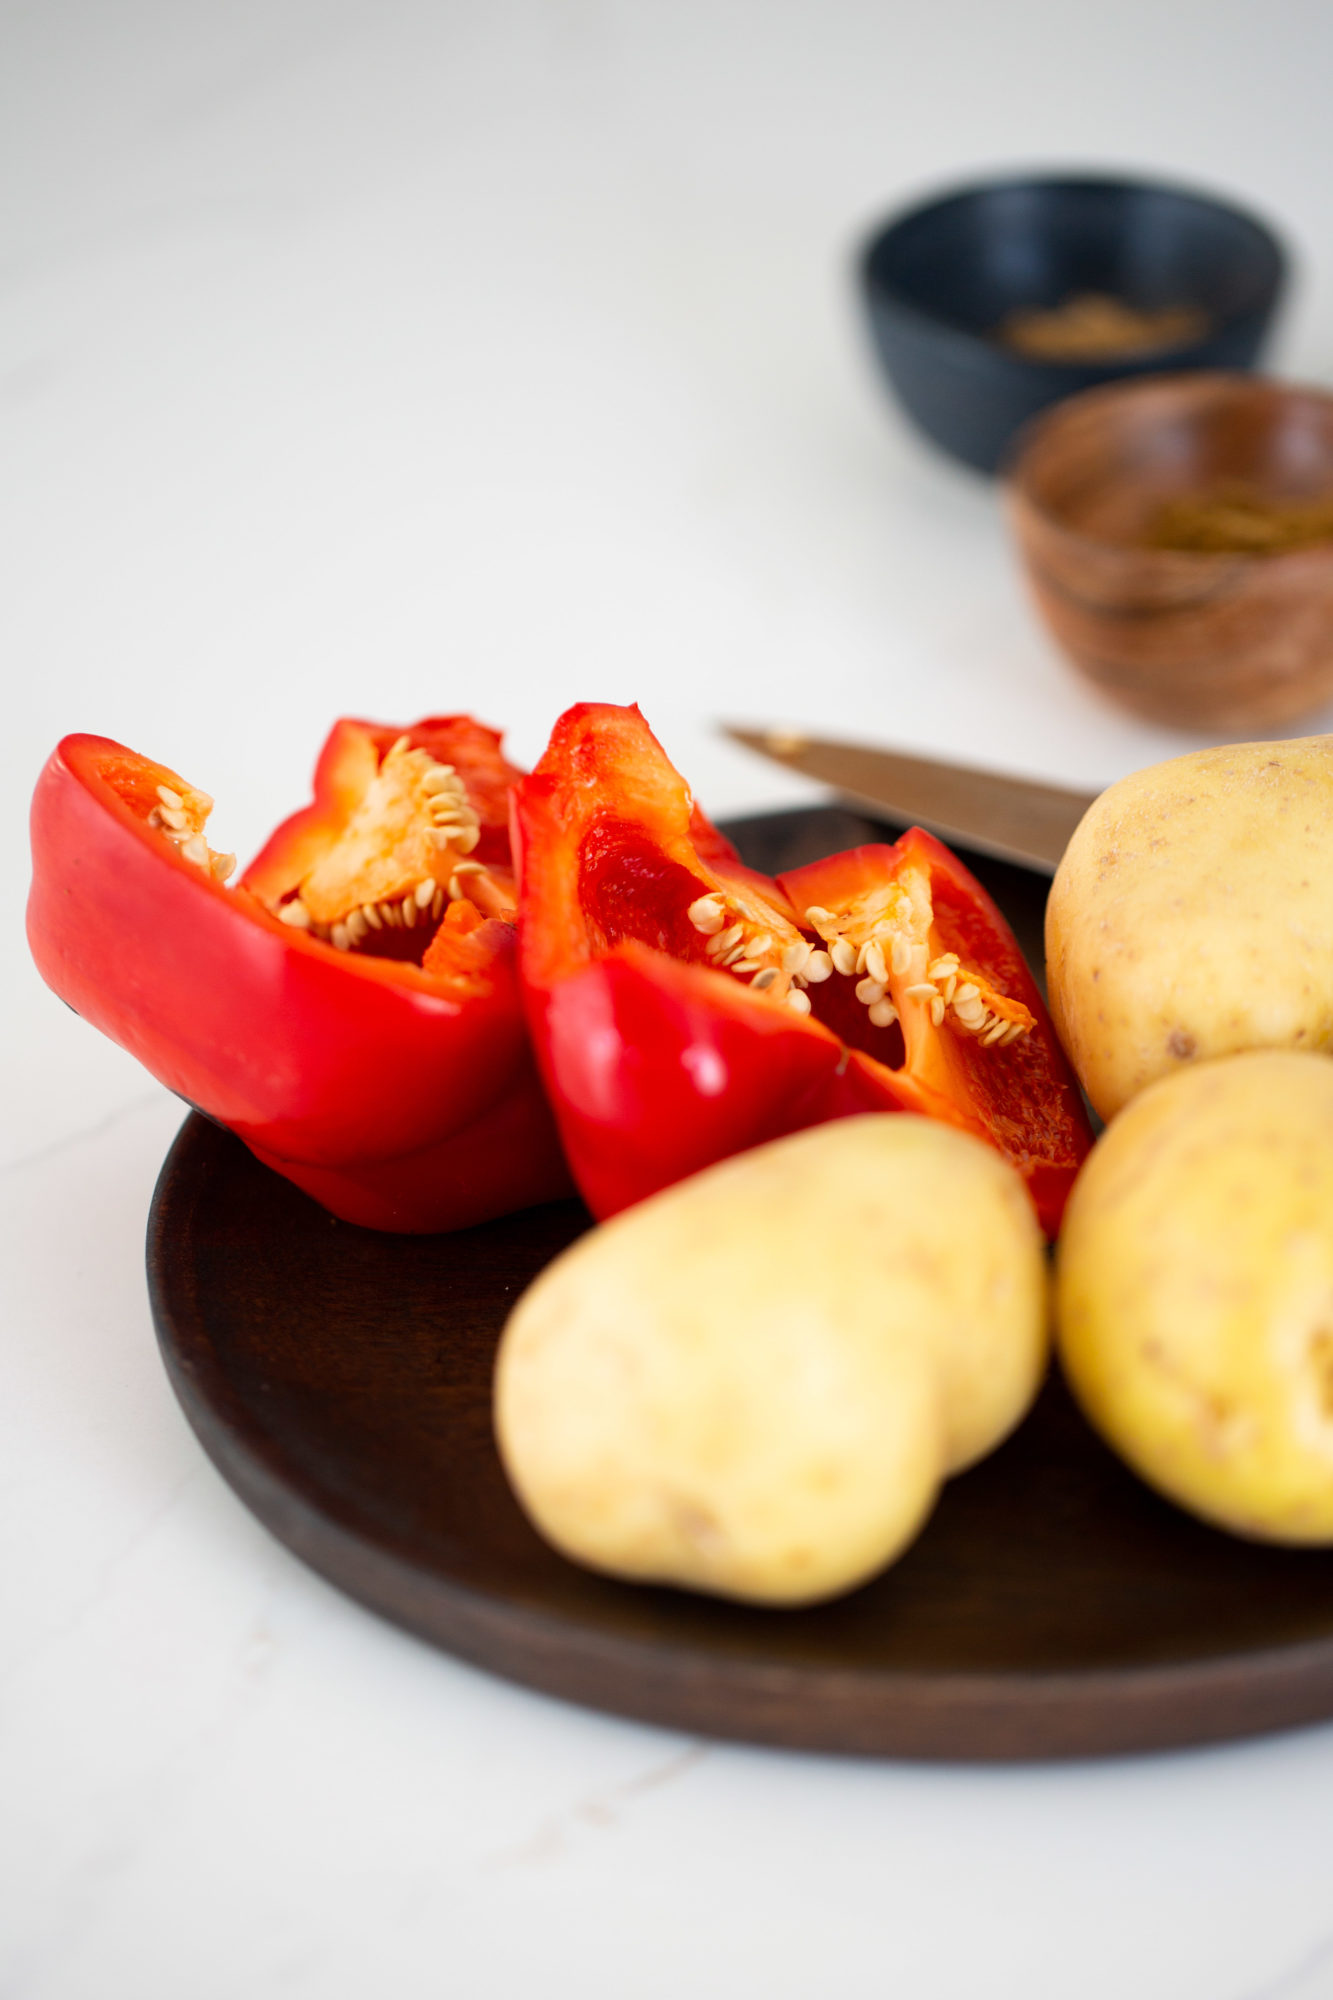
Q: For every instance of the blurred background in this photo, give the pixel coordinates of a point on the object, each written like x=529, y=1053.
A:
x=382, y=357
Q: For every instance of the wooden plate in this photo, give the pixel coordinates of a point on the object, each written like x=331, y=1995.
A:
x=340, y=1380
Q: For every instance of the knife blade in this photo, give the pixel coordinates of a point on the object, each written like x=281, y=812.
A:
x=1017, y=819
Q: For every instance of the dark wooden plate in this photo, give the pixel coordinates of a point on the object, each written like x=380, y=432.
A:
x=340, y=1380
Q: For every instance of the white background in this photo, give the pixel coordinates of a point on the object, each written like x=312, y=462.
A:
x=392, y=357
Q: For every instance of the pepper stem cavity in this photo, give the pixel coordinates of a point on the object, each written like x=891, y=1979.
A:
x=402, y=858
x=775, y=959
x=180, y=817
x=883, y=942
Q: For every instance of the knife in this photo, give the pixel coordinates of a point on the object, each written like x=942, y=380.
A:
x=1017, y=819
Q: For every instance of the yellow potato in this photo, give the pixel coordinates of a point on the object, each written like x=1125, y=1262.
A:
x=754, y=1382
x=1195, y=1292
x=1192, y=916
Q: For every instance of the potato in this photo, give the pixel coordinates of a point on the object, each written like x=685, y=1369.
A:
x=1192, y=916
x=1195, y=1292
x=754, y=1382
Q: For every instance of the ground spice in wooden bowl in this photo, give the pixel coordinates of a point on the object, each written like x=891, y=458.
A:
x=1237, y=519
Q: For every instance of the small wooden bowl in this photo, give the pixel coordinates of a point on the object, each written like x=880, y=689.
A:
x=1212, y=640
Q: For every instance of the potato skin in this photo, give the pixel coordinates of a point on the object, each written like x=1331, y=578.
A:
x=1192, y=916
x=1194, y=1294
x=754, y=1382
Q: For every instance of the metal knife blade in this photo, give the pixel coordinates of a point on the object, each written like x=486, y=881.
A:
x=1017, y=819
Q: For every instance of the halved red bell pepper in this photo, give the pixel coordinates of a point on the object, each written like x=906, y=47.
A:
x=351, y=1010
x=668, y=988
x=929, y=978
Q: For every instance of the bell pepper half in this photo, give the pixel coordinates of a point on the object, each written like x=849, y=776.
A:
x=668, y=987
x=929, y=979
x=351, y=1009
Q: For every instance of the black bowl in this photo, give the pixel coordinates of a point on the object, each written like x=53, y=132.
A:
x=940, y=278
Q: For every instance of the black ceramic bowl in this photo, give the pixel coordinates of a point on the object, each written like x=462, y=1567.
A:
x=941, y=278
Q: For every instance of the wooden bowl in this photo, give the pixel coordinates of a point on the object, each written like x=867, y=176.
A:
x=1212, y=640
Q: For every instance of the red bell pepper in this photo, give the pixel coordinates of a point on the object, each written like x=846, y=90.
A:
x=351, y=1010
x=668, y=988
x=930, y=979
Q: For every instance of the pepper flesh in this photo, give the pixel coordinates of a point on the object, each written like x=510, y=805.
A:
x=666, y=1042
x=402, y=1095
x=928, y=975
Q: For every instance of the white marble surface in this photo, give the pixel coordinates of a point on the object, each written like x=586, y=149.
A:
x=392, y=356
